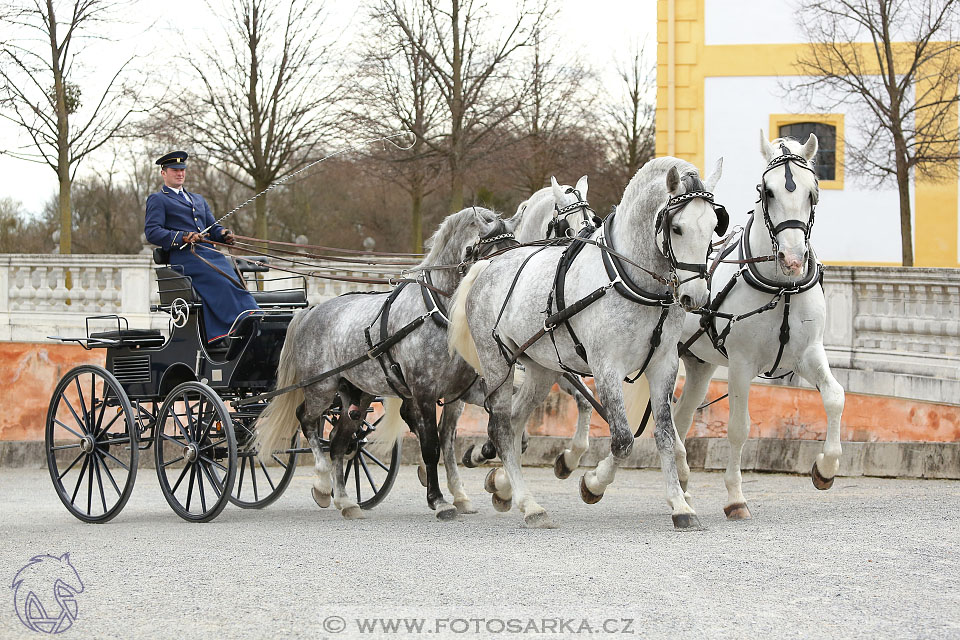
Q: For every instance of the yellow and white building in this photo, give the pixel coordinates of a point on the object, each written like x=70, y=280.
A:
x=722, y=69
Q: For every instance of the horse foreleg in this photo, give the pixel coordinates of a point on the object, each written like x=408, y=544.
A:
x=448, y=439
x=569, y=458
x=738, y=428
x=815, y=369
x=594, y=483
x=696, y=383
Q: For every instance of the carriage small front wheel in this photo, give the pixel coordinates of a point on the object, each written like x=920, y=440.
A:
x=91, y=443
x=260, y=479
x=196, y=452
x=367, y=474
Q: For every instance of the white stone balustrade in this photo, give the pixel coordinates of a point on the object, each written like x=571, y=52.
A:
x=890, y=330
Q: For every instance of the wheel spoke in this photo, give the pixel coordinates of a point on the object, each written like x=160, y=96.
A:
x=111, y=441
x=356, y=475
x=267, y=475
x=90, y=486
x=193, y=474
x=279, y=461
x=83, y=470
x=253, y=477
x=213, y=483
x=183, y=474
x=373, y=485
x=115, y=459
x=65, y=446
x=101, y=432
x=212, y=444
x=83, y=407
x=214, y=463
x=68, y=428
x=167, y=464
x=174, y=439
x=80, y=455
x=176, y=420
x=203, y=496
x=83, y=427
x=103, y=497
x=243, y=466
x=110, y=475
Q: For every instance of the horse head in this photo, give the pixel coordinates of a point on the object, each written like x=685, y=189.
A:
x=570, y=207
x=45, y=593
x=789, y=191
x=685, y=229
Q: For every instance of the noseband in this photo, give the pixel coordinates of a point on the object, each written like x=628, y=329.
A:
x=665, y=218
x=560, y=227
x=785, y=159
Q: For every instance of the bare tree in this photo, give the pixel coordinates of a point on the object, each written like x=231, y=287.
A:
x=40, y=71
x=395, y=89
x=559, y=101
x=632, y=130
x=471, y=69
x=267, y=94
x=906, y=91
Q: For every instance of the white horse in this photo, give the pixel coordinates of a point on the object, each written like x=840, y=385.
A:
x=554, y=211
x=663, y=229
x=758, y=343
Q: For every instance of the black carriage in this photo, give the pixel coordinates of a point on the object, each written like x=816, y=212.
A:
x=174, y=392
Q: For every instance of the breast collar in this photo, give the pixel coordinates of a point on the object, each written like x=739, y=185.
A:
x=755, y=279
x=622, y=281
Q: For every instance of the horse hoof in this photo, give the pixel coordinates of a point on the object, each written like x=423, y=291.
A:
x=538, y=520
x=686, y=521
x=446, y=512
x=322, y=499
x=501, y=504
x=465, y=507
x=819, y=481
x=353, y=513
x=422, y=474
x=490, y=482
x=560, y=468
x=586, y=495
x=468, y=458
x=738, y=511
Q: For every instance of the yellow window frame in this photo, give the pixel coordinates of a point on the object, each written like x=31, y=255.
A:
x=778, y=120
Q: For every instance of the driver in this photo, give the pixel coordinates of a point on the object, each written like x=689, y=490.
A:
x=177, y=219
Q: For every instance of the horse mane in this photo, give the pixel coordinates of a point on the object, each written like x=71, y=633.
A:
x=645, y=179
x=439, y=245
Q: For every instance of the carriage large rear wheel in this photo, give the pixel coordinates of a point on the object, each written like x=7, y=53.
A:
x=91, y=443
x=196, y=452
x=260, y=479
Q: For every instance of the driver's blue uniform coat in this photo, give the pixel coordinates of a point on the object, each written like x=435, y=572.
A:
x=169, y=217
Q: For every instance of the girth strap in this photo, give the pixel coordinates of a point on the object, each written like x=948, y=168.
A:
x=386, y=361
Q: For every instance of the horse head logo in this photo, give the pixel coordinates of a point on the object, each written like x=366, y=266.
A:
x=45, y=593
x=180, y=312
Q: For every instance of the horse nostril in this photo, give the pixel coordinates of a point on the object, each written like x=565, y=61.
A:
x=686, y=301
x=782, y=256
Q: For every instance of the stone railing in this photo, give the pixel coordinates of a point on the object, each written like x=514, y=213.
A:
x=890, y=331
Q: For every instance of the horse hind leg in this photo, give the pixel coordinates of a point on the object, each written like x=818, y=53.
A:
x=569, y=459
x=421, y=414
x=448, y=436
x=813, y=366
x=310, y=414
x=353, y=405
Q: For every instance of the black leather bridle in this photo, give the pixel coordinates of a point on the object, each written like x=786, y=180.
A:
x=560, y=226
x=784, y=159
x=665, y=218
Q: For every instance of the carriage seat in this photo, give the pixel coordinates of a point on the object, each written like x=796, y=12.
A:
x=132, y=337
x=290, y=298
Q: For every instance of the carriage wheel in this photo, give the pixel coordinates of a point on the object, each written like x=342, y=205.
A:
x=91, y=444
x=196, y=452
x=369, y=475
x=260, y=480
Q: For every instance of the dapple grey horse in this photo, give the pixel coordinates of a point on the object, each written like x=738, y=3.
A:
x=330, y=334
x=790, y=191
x=551, y=209
x=617, y=332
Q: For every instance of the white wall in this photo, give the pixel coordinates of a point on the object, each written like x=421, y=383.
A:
x=857, y=223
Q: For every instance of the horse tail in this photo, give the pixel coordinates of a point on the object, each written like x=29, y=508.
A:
x=278, y=422
x=390, y=428
x=459, y=339
x=635, y=399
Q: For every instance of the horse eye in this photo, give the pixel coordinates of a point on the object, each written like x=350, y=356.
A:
x=769, y=194
x=677, y=230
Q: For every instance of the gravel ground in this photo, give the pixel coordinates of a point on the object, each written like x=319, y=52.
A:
x=870, y=558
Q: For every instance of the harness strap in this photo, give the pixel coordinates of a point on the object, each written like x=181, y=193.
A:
x=233, y=281
x=373, y=353
x=784, y=333
x=569, y=255
x=503, y=348
x=582, y=388
x=654, y=343
x=386, y=361
x=434, y=304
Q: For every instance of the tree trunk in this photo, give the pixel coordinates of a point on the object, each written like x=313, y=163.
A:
x=260, y=225
x=63, y=137
x=906, y=225
x=416, y=219
x=456, y=187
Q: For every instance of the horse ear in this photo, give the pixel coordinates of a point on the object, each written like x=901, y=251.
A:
x=512, y=223
x=582, y=187
x=65, y=557
x=810, y=148
x=557, y=191
x=714, y=177
x=673, y=181
x=766, y=148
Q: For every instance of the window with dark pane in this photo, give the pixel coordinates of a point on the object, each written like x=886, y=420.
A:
x=826, y=161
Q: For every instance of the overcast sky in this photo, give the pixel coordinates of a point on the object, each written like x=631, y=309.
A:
x=596, y=30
